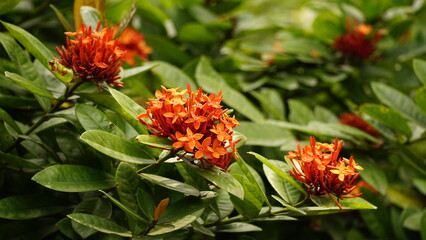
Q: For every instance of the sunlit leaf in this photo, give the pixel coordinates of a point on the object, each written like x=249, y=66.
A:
x=171, y=184
x=100, y=224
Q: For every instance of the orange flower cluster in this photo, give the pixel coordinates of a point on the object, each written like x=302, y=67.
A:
x=359, y=41
x=93, y=55
x=320, y=168
x=195, y=122
x=357, y=122
x=133, y=42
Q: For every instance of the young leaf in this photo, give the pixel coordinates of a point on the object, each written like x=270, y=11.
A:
x=287, y=191
x=155, y=141
x=250, y=206
x=30, y=206
x=30, y=86
x=278, y=171
x=212, y=82
x=420, y=70
x=100, y=224
x=31, y=43
x=127, y=103
x=171, y=184
x=399, y=101
x=220, y=178
x=74, y=178
x=116, y=147
x=161, y=207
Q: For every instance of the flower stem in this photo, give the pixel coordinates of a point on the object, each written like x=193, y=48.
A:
x=68, y=93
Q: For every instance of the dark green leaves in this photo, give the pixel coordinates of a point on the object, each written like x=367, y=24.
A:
x=171, y=184
x=114, y=146
x=74, y=178
x=30, y=86
x=420, y=70
x=100, y=224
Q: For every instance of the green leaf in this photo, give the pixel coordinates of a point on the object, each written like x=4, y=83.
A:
x=388, y=117
x=116, y=147
x=74, y=178
x=130, y=72
x=220, y=178
x=155, y=141
x=420, y=185
x=348, y=204
x=278, y=171
x=167, y=51
x=19, y=163
x=30, y=206
x=127, y=185
x=7, y=6
x=423, y=226
x=420, y=99
x=61, y=18
x=250, y=206
x=9, y=120
x=221, y=208
x=194, y=32
x=286, y=190
x=266, y=96
x=374, y=175
x=171, y=184
x=146, y=203
x=90, y=16
x=323, y=114
x=299, y=112
x=400, y=102
x=287, y=205
x=264, y=134
x=127, y=103
x=212, y=82
x=30, y=86
x=172, y=76
x=91, y=118
x=201, y=229
x=419, y=67
x=124, y=208
x=100, y=224
x=31, y=43
x=236, y=228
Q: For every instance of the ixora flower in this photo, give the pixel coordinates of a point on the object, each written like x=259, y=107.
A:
x=195, y=122
x=134, y=44
x=92, y=55
x=359, y=41
x=320, y=168
x=357, y=122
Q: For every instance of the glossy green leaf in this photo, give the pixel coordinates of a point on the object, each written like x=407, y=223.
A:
x=250, y=206
x=266, y=96
x=100, y=224
x=347, y=204
x=287, y=205
x=420, y=99
x=4, y=116
x=398, y=101
x=74, y=178
x=146, y=203
x=155, y=141
x=156, y=14
x=123, y=207
x=220, y=178
x=30, y=86
x=264, y=134
x=65, y=227
x=32, y=44
x=127, y=103
x=180, y=214
x=167, y=52
x=388, y=117
x=171, y=184
x=127, y=185
x=419, y=67
x=278, y=171
x=286, y=190
x=30, y=206
x=91, y=118
x=299, y=112
x=130, y=72
x=212, y=82
x=237, y=228
x=420, y=185
x=19, y=163
x=221, y=208
x=116, y=147
x=109, y=102
x=201, y=229
x=172, y=76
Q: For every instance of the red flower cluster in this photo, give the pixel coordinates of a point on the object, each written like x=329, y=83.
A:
x=195, y=122
x=93, y=55
x=133, y=42
x=357, y=122
x=359, y=41
x=319, y=167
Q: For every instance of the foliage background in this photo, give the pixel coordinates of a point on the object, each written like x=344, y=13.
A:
x=279, y=98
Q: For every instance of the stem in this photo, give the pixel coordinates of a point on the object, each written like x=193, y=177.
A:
x=45, y=117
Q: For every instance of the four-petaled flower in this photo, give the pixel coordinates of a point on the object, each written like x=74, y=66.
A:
x=92, y=55
x=320, y=168
x=195, y=122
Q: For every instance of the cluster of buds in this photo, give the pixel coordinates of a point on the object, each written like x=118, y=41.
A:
x=320, y=168
x=359, y=41
x=195, y=122
x=93, y=56
x=134, y=43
